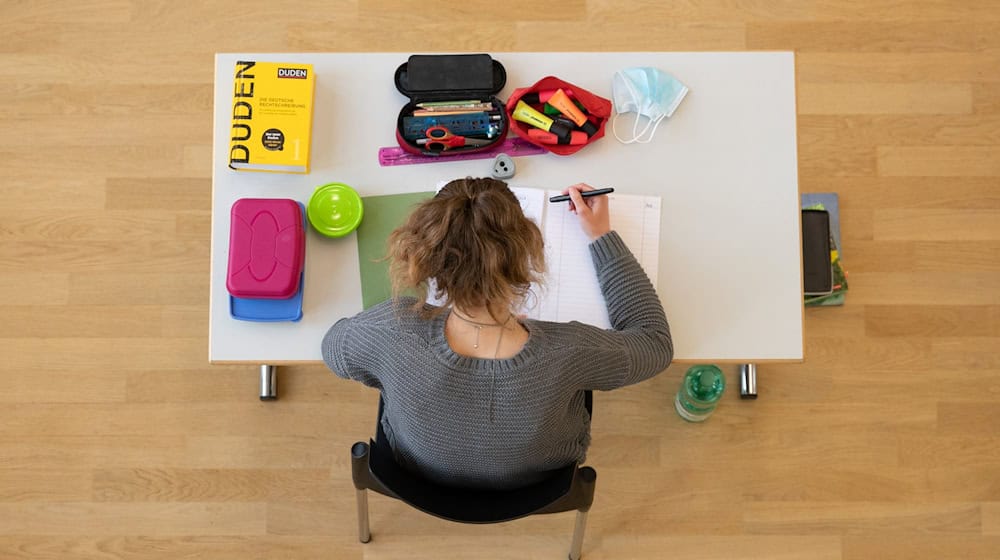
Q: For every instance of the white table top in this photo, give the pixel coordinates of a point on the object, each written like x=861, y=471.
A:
x=725, y=166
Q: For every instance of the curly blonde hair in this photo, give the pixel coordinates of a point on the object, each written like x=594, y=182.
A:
x=475, y=243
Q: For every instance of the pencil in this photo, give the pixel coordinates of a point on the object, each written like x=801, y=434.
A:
x=584, y=194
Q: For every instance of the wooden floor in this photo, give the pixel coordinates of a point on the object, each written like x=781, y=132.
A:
x=118, y=440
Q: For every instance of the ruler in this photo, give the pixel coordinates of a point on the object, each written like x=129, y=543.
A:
x=514, y=147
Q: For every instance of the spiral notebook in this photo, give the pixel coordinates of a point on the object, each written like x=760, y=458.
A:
x=571, y=291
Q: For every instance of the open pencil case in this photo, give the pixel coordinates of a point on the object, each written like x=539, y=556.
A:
x=452, y=107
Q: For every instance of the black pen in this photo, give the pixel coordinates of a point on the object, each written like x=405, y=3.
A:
x=584, y=194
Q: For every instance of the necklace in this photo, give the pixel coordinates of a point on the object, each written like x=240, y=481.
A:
x=496, y=352
x=479, y=329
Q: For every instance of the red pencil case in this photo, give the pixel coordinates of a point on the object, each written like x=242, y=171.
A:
x=443, y=79
x=266, y=248
x=597, y=110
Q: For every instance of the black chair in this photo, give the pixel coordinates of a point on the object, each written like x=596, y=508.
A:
x=374, y=468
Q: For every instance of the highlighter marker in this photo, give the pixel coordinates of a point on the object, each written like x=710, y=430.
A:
x=575, y=137
x=541, y=96
x=526, y=114
x=561, y=101
x=584, y=194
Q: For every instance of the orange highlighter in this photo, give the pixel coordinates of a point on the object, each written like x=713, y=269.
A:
x=561, y=101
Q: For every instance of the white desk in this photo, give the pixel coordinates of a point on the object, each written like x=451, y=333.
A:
x=724, y=164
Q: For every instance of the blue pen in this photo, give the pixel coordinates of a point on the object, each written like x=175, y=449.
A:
x=584, y=194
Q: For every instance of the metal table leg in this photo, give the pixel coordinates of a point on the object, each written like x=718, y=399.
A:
x=268, y=382
x=748, y=381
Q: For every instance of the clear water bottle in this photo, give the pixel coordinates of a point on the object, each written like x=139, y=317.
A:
x=700, y=391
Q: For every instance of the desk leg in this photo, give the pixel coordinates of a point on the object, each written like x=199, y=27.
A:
x=748, y=381
x=268, y=382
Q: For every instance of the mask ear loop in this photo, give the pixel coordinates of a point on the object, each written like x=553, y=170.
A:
x=651, y=132
x=635, y=125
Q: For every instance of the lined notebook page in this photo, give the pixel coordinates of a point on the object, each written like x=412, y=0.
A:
x=571, y=291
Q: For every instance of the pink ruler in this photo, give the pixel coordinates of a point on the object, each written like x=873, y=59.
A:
x=513, y=146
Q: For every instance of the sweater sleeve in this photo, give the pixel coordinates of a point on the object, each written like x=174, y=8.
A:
x=640, y=326
x=343, y=351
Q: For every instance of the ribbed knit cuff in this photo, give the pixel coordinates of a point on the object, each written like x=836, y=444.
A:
x=608, y=247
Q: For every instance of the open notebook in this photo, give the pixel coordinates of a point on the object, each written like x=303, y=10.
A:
x=570, y=291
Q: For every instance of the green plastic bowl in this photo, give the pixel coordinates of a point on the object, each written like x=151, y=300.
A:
x=335, y=209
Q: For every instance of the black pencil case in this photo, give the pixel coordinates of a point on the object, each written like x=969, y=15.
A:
x=446, y=127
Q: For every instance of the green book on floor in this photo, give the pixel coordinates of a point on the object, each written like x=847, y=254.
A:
x=382, y=215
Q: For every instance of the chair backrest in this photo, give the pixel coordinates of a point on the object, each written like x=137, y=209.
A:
x=565, y=489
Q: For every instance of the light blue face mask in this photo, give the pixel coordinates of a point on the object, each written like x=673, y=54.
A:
x=647, y=92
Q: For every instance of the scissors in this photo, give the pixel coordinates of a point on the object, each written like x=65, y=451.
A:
x=440, y=138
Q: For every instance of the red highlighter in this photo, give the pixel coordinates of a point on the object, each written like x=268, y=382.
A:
x=576, y=137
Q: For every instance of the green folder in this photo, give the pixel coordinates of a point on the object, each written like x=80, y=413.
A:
x=382, y=215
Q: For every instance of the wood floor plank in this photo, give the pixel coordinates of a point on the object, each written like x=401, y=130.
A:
x=247, y=419
x=920, y=546
x=140, y=288
x=217, y=547
x=877, y=35
x=268, y=452
x=892, y=98
x=922, y=256
x=939, y=161
x=966, y=353
x=97, y=225
x=956, y=288
x=215, y=384
x=572, y=10
x=901, y=127
x=986, y=98
x=79, y=385
x=43, y=451
x=698, y=547
x=849, y=160
x=923, y=390
x=896, y=67
x=39, y=163
x=333, y=34
x=168, y=193
x=105, y=100
x=70, y=192
x=864, y=518
x=88, y=519
x=34, y=288
x=127, y=256
x=214, y=485
x=951, y=450
x=932, y=320
x=914, y=192
x=72, y=130
x=970, y=417
x=114, y=353
x=86, y=321
x=991, y=519
x=45, y=485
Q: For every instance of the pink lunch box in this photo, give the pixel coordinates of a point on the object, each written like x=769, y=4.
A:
x=266, y=248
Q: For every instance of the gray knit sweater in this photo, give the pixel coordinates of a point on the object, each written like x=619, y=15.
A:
x=437, y=403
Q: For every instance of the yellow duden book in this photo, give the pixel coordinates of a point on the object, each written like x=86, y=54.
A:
x=272, y=116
